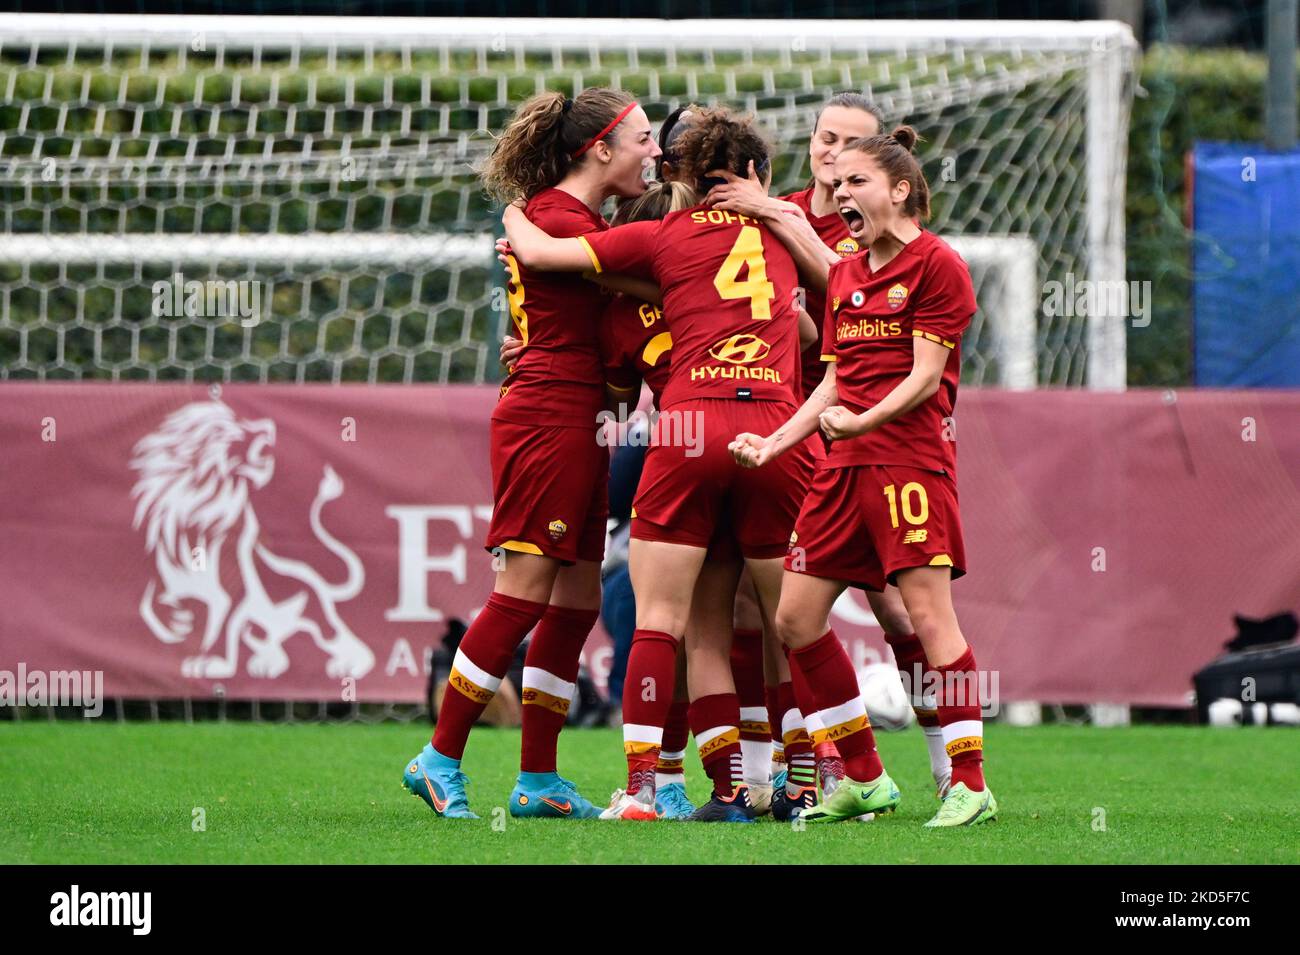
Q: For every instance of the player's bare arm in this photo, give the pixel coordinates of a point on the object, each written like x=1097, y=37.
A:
x=643, y=289
x=929, y=358
x=786, y=220
x=753, y=451
x=813, y=257
x=807, y=329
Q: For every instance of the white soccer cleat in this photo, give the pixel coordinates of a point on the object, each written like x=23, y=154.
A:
x=624, y=805
x=760, y=797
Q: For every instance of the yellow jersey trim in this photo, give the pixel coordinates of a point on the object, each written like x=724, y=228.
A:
x=655, y=348
x=522, y=547
x=929, y=336
x=591, y=253
x=943, y=560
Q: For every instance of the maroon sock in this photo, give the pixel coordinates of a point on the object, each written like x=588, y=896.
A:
x=747, y=672
x=834, y=685
x=961, y=719
x=909, y=657
x=481, y=662
x=677, y=729
x=647, y=698
x=802, y=693
x=550, y=671
x=715, y=721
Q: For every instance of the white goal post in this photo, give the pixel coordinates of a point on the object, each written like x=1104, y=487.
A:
x=337, y=151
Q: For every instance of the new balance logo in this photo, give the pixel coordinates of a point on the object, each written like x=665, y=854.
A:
x=915, y=537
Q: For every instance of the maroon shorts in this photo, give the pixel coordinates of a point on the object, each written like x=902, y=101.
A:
x=550, y=488
x=864, y=524
x=724, y=548
x=691, y=485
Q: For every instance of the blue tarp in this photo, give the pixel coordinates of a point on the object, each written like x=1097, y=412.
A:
x=1246, y=262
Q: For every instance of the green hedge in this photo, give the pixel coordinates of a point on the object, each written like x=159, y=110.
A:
x=1184, y=96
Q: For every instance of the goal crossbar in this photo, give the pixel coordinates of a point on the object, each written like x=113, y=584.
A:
x=397, y=33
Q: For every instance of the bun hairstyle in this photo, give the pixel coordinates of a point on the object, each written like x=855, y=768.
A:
x=536, y=149
x=906, y=137
x=659, y=199
x=893, y=153
x=717, y=138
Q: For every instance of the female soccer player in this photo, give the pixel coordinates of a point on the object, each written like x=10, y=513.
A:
x=637, y=347
x=756, y=659
x=884, y=505
x=564, y=157
x=818, y=242
x=728, y=301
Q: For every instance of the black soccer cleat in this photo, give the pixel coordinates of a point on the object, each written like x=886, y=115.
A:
x=734, y=808
x=786, y=807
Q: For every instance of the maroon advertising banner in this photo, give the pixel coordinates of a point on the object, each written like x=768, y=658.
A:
x=295, y=542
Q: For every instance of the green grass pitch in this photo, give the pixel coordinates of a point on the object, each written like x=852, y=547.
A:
x=110, y=793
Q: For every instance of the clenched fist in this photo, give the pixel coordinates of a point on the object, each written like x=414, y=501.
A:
x=751, y=450
x=839, y=423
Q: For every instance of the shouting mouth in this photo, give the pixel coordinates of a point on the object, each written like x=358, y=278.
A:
x=854, y=219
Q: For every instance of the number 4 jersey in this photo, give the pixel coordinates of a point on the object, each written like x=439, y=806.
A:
x=728, y=287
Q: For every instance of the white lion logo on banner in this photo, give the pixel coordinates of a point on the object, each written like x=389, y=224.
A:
x=196, y=472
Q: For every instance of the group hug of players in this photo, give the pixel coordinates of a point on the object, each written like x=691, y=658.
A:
x=813, y=344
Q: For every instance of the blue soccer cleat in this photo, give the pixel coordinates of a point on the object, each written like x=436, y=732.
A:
x=734, y=808
x=549, y=796
x=671, y=802
x=439, y=782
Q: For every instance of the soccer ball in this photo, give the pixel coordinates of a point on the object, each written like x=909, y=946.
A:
x=882, y=692
x=1229, y=712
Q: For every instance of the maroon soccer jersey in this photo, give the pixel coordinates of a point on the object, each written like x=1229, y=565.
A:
x=636, y=346
x=871, y=320
x=728, y=287
x=559, y=376
x=835, y=234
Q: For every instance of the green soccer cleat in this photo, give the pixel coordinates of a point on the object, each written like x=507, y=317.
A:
x=964, y=807
x=852, y=799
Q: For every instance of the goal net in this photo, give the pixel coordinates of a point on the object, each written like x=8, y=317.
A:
x=310, y=180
